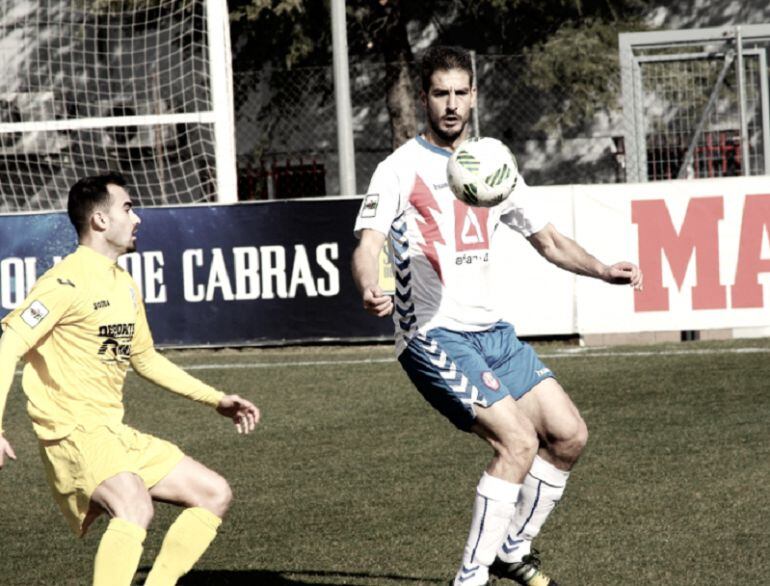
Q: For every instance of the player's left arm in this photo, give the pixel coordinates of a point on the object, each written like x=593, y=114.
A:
x=149, y=364
x=567, y=254
x=158, y=369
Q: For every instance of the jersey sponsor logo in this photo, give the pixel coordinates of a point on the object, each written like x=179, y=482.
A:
x=470, y=227
x=117, y=331
x=116, y=346
x=113, y=350
x=369, y=205
x=101, y=304
x=34, y=314
x=490, y=380
x=469, y=259
x=65, y=282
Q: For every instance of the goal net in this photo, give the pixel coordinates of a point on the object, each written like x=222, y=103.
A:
x=141, y=87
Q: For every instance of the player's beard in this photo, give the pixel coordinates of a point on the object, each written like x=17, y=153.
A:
x=447, y=137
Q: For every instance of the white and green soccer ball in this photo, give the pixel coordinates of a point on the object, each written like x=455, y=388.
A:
x=482, y=172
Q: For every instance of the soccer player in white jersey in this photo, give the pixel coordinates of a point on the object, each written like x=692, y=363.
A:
x=465, y=361
x=79, y=329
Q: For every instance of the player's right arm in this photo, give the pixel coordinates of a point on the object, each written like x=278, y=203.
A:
x=12, y=348
x=378, y=208
x=47, y=303
x=366, y=273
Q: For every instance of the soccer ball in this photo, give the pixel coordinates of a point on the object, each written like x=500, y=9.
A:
x=482, y=172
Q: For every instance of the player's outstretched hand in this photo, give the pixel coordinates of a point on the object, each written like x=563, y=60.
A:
x=5, y=450
x=625, y=273
x=244, y=413
x=377, y=303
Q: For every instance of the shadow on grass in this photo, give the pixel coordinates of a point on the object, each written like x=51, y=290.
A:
x=300, y=578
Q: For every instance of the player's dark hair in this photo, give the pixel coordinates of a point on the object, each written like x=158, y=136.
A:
x=88, y=194
x=444, y=58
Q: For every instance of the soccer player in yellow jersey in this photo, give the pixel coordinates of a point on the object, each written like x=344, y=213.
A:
x=79, y=329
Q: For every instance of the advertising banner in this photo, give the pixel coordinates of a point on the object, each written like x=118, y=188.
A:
x=534, y=295
x=702, y=245
x=243, y=274
x=279, y=272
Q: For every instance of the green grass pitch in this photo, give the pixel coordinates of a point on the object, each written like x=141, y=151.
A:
x=352, y=479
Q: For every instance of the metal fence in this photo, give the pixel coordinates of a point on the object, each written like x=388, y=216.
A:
x=286, y=129
x=696, y=102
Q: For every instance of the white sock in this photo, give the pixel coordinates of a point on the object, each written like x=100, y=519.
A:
x=493, y=508
x=542, y=489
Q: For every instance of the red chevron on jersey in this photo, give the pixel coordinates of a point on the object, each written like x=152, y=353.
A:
x=423, y=201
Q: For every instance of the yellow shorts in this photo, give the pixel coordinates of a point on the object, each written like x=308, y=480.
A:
x=77, y=464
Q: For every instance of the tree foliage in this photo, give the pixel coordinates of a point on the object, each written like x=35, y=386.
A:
x=282, y=32
x=569, y=44
x=579, y=60
x=297, y=32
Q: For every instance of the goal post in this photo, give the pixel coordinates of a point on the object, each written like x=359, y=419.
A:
x=696, y=102
x=220, y=66
x=141, y=87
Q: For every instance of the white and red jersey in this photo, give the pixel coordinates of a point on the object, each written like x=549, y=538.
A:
x=440, y=246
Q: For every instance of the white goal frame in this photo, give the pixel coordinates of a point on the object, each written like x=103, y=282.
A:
x=218, y=118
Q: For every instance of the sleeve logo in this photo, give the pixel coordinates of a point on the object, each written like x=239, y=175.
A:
x=369, y=206
x=34, y=314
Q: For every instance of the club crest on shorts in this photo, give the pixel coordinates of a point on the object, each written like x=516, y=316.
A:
x=490, y=380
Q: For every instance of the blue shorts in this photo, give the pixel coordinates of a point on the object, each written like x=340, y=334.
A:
x=455, y=371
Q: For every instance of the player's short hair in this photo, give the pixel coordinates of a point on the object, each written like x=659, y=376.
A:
x=88, y=194
x=444, y=58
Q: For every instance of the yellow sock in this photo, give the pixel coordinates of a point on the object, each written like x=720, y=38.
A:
x=118, y=555
x=187, y=538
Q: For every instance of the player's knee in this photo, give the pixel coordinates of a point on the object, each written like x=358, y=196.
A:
x=569, y=447
x=125, y=496
x=581, y=438
x=225, y=496
x=218, y=495
x=145, y=512
x=137, y=508
x=518, y=448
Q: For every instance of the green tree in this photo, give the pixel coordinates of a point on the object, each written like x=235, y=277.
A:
x=297, y=32
x=567, y=43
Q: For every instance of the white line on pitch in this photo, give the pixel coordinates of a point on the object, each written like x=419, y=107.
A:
x=577, y=353
x=563, y=354
x=692, y=352
x=282, y=364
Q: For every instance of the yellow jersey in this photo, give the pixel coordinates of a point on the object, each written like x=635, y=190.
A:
x=82, y=321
